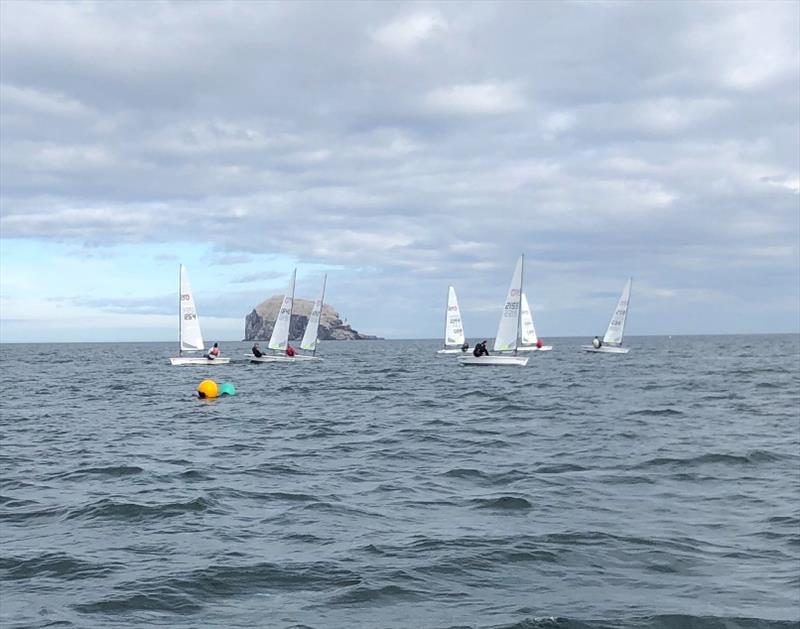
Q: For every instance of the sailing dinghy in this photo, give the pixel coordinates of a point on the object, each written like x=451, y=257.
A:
x=453, y=328
x=508, y=330
x=612, y=341
x=191, y=338
x=310, y=336
x=529, y=340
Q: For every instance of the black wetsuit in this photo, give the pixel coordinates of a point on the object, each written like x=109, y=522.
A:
x=480, y=350
x=257, y=352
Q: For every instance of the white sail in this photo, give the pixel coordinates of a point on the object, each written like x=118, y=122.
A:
x=617, y=326
x=454, y=329
x=191, y=337
x=528, y=331
x=309, y=341
x=280, y=333
x=508, y=329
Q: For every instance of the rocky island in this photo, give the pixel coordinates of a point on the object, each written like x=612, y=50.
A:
x=259, y=323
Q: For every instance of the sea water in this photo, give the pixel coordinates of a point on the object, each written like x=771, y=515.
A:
x=387, y=486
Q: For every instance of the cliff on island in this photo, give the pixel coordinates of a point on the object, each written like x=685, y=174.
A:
x=259, y=323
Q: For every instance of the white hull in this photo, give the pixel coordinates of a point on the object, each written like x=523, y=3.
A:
x=297, y=358
x=486, y=361
x=605, y=349
x=454, y=350
x=543, y=348
x=197, y=360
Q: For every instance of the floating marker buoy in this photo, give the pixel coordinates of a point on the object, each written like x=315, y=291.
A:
x=227, y=388
x=207, y=389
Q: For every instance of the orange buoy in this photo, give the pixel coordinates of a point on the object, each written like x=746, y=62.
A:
x=207, y=389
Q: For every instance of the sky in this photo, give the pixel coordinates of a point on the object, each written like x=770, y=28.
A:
x=399, y=148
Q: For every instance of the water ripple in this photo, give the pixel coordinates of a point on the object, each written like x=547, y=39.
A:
x=388, y=487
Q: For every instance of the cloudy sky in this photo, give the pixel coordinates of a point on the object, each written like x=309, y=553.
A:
x=399, y=147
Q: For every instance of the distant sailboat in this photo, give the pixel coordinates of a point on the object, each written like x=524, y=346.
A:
x=453, y=328
x=529, y=342
x=190, y=336
x=309, y=342
x=612, y=341
x=508, y=330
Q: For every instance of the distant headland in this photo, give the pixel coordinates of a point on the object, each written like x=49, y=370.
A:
x=259, y=323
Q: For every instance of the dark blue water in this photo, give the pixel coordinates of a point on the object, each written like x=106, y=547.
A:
x=389, y=487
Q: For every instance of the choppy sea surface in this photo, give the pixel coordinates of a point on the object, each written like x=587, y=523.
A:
x=390, y=487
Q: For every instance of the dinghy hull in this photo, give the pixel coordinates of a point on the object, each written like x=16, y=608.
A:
x=543, y=348
x=197, y=360
x=297, y=358
x=604, y=349
x=494, y=361
x=455, y=350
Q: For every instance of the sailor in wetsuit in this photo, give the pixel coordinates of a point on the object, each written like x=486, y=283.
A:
x=257, y=352
x=480, y=350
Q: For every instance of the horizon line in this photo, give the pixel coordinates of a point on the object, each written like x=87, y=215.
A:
x=437, y=339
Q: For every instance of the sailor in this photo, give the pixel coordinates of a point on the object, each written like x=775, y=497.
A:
x=480, y=350
x=289, y=350
x=596, y=342
x=257, y=352
x=213, y=352
x=539, y=343
x=465, y=347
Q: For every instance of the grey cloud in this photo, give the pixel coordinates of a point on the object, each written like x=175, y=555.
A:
x=157, y=305
x=257, y=277
x=166, y=257
x=230, y=259
x=395, y=139
x=235, y=305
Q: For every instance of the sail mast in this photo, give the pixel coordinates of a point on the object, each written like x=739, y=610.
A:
x=446, y=315
x=519, y=303
x=180, y=314
x=291, y=310
x=321, y=304
x=627, y=307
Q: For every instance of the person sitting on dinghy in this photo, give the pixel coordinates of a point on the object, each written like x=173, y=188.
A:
x=480, y=350
x=289, y=350
x=256, y=352
x=213, y=352
x=596, y=343
x=465, y=347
